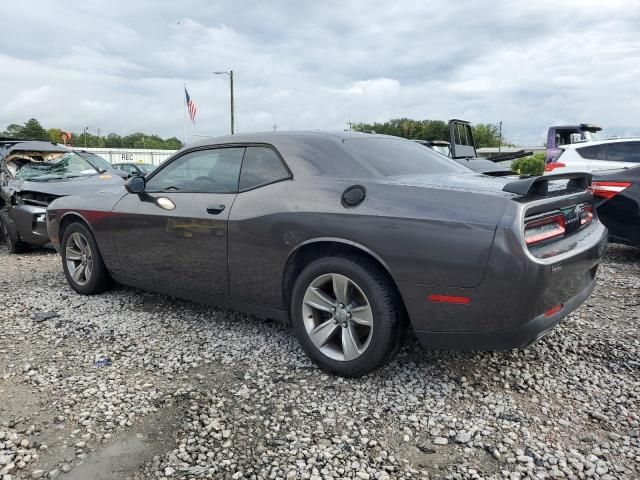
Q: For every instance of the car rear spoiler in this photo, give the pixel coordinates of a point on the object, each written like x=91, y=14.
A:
x=539, y=186
x=502, y=157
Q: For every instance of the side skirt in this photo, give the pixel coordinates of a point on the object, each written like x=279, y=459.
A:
x=251, y=309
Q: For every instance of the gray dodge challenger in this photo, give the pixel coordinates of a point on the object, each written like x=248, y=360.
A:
x=352, y=238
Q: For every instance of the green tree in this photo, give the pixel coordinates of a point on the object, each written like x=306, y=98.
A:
x=485, y=135
x=14, y=131
x=113, y=140
x=54, y=135
x=33, y=129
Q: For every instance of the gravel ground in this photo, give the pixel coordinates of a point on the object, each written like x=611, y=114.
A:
x=132, y=385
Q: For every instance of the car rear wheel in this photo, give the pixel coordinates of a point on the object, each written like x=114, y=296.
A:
x=10, y=237
x=346, y=315
x=82, y=262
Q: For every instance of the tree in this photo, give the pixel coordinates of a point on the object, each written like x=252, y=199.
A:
x=54, y=135
x=32, y=129
x=485, y=134
x=14, y=131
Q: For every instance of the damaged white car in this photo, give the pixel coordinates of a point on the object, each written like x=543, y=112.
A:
x=32, y=175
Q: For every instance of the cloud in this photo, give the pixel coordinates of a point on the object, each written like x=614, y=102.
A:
x=121, y=66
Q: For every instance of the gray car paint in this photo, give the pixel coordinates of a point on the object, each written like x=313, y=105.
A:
x=453, y=234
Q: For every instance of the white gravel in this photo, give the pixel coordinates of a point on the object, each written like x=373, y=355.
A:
x=136, y=385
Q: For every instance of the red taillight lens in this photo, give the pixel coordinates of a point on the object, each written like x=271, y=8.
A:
x=550, y=167
x=586, y=215
x=608, y=189
x=544, y=229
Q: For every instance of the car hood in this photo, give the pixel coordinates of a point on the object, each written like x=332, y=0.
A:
x=72, y=186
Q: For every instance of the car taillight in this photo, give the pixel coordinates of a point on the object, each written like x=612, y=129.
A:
x=608, y=189
x=537, y=231
x=586, y=215
x=550, y=167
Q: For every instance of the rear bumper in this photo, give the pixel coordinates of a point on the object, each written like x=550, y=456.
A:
x=519, y=337
x=507, y=310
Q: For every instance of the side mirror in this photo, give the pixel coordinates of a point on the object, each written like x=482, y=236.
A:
x=135, y=185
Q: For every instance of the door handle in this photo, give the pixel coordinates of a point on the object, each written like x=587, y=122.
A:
x=215, y=209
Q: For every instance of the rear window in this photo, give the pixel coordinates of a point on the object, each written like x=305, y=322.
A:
x=590, y=153
x=392, y=157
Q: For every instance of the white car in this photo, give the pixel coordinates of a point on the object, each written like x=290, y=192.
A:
x=597, y=155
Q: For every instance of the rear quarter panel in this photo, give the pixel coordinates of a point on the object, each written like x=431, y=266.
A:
x=422, y=235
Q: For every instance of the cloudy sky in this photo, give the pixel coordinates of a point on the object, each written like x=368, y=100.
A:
x=120, y=65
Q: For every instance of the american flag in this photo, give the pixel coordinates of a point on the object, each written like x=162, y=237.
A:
x=191, y=107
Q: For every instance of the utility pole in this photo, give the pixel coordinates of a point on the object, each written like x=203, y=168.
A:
x=86, y=129
x=230, y=73
x=232, y=112
x=500, y=138
x=350, y=123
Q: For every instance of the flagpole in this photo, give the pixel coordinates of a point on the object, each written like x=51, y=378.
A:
x=184, y=112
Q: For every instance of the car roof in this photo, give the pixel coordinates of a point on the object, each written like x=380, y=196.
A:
x=36, y=146
x=276, y=136
x=573, y=146
x=307, y=153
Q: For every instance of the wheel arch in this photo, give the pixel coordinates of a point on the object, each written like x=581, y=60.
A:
x=310, y=250
x=70, y=217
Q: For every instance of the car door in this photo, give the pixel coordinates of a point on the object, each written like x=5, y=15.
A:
x=174, y=234
x=255, y=223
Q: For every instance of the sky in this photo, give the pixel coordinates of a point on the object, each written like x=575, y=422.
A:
x=120, y=66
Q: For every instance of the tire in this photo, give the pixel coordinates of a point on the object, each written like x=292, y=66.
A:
x=350, y=341
x=10, y=236
x=91, y=279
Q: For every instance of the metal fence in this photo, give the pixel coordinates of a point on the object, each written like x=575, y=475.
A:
x=132, y=155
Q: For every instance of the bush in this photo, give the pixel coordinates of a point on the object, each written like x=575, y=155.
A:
x=531, y=165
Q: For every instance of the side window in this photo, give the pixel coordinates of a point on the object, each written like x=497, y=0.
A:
x=623, y=152
x=127, y=168
x=261, y=165
x=590, y=153
x=211, y=171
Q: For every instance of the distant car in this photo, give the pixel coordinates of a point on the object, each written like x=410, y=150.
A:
x=562, y=135
x=610, y=154
x=348, y=236
x=102, y=164
x=617, y=195
x=136, y=168
x=32, y=175
x=440, y=146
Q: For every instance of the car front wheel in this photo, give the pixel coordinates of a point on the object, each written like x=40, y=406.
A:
x=82, y=262
x=346, y=314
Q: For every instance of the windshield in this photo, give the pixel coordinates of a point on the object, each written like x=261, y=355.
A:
x=145, y=167
x=67, y=166
x=590, y=136
x=443, y=149
x=394, y=157
x=96, y=160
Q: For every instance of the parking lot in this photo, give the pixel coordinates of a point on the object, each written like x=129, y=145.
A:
x=136, y=385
